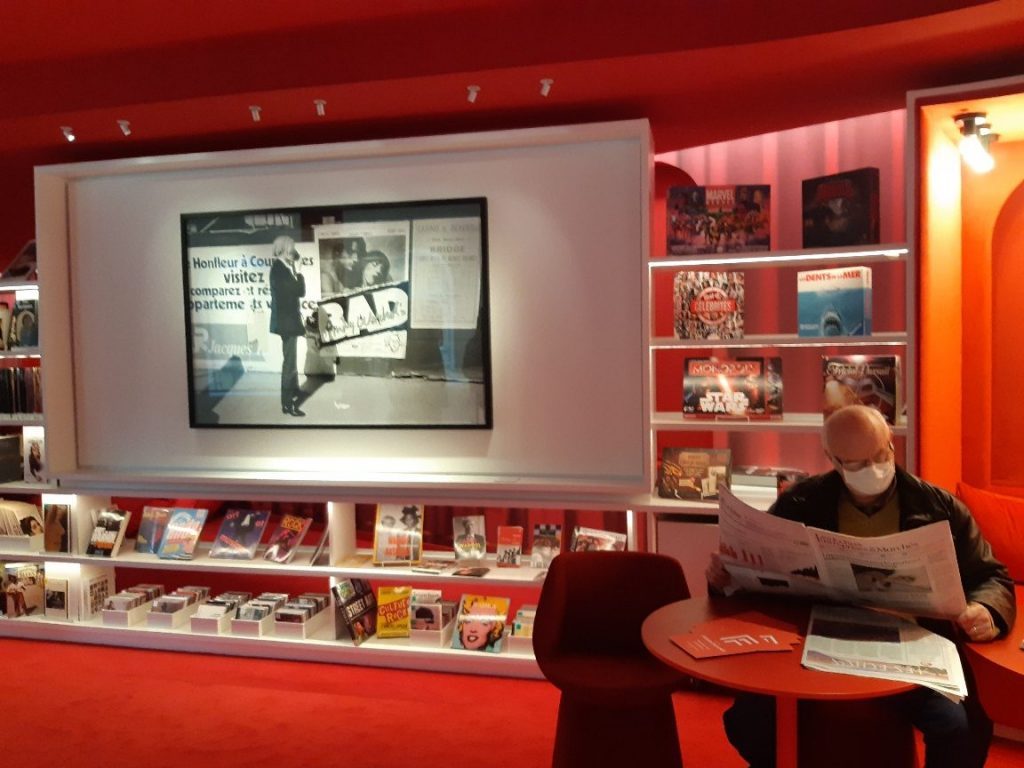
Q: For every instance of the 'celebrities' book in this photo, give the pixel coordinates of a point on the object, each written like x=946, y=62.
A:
x=240, y=533
x=182, y=535
x=708, y=305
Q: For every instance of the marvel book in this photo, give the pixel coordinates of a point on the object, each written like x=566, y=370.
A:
x=719, y=219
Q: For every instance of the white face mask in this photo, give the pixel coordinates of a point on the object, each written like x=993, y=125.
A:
x=872, y=480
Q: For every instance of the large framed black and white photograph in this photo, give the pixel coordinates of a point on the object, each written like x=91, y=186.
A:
x=369, y=315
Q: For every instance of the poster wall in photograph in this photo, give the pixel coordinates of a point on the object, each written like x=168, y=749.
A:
x=370, y=315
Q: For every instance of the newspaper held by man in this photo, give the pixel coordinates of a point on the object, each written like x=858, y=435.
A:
x=867, y=643
x=912, y=571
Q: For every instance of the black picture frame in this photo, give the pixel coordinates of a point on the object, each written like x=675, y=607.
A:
x=363, y=316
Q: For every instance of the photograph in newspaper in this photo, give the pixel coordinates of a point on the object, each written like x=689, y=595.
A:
x=866, y=643
x=912, y=571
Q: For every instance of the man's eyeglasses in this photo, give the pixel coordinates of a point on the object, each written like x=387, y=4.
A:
x=852, y=465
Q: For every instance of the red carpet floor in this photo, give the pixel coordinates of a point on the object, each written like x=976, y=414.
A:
x=95, y=707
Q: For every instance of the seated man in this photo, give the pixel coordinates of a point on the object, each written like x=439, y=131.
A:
x=867, y=495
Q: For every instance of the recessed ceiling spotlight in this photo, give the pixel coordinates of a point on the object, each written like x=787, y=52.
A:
x=255, y=112
x=471, y=93
x=545, y=86
x=321, y=107
x=68, y=133
x=125, y=126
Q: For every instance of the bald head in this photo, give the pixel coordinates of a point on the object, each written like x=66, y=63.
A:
x=855, y=433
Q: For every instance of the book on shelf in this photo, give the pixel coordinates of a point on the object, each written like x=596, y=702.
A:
x=355, y=607
x=152, y=525
x=841, y=209
x=55, y=598
x=285, y=540
x=779, y=478
x=5, y=322
x=393, y=618
x=20, y=519
x=24, y=328
x=872, y=380
x=718, y=218
x=708, y=305
x=97, y=586
x=398, y=534
x=11, y=459
x=23, y=589
x=546, y=544
x=182, y=533
x=469, y=537
x=239, y=534
x=35, y=458
x=23, y=266
x=472, y=571
x=57, y=528
x=742, y=388
x=427, y=610
x=594, y=540
x=834, y=302
x=694, y=473
x=322, y=552
x=510, y=546
x=480, y=623
x=108, y=532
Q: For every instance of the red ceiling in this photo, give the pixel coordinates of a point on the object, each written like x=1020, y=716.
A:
x=700, y=70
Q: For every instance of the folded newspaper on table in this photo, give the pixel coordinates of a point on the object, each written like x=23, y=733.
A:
x=857, y=641
x=913, y=571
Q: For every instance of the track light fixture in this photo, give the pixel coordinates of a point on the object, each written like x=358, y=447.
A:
x=471, y=93
x=545, y=86
x=255, y=112
x=975, y=137
x=125, y=126
x=68, y=133
x=321, y=107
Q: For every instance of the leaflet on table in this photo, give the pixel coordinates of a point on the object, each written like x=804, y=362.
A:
x=912, y=571
x=857, y=641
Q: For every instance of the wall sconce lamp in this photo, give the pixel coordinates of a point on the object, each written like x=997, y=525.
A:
x=545, y=86
x=255, y=110
x=125, y=126
x=471, y=93
x=68, y=133
x=975, y=137
x=321, y=107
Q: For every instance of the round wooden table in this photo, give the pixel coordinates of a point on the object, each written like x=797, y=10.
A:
x=775, y=674
x=998, y=669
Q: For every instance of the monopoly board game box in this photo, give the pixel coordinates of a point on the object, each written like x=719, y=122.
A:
x=742, y=388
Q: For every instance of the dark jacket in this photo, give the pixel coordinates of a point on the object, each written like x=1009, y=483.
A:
x=815, y=502
x=286, y=289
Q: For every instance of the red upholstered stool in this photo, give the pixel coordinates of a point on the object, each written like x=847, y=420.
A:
x=616, y=705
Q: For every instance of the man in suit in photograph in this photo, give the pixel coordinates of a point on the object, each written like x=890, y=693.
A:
x=287, y=287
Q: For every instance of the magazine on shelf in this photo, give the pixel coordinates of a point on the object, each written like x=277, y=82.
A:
x=355, y=607
x=34, y=461
x=57, y=528
x=393, y=617
x=741, y=388
x=24, y=328
x=841, y=209
x=480, y=623
x=108, y=532
x=834, y=302
x=23, y=265
x=547, y=544
x=719, y=218
x=240, y=533
x=398, y=534
x=285, y=541
x=694, y=473
x=469, y=538
x=708, y=305
x=19, y=518
x=182, y=534
x=510, y=546
x=912, y=571
x=872, y=380
x=867, y=643
x=151, y=529
x=595, y=539
x=23, y=589
x=57, y=604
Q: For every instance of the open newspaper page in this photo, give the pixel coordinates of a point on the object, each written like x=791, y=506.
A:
x=912, y=571
x=856, y=641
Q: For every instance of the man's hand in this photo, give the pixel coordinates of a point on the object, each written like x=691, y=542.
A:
x=718, y=578
x=976, y=622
